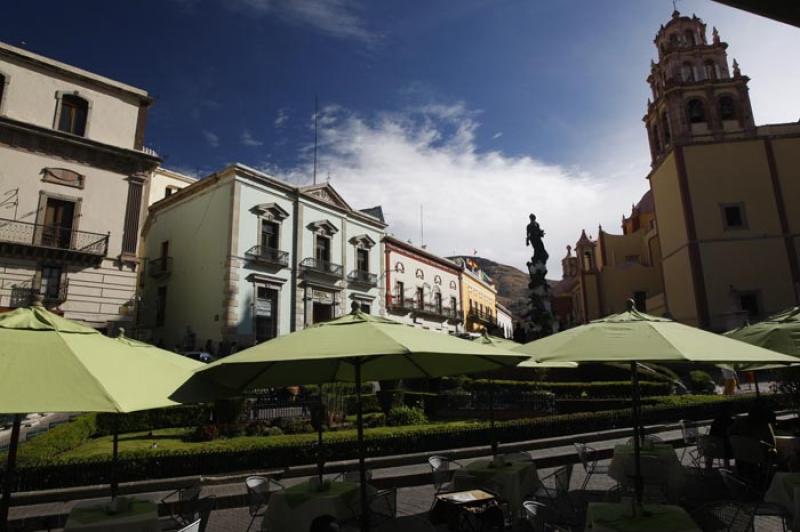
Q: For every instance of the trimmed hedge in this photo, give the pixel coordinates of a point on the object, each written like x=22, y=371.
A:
x=60, y=439
x=160, y=418
x=301, y=449
x=593, y=390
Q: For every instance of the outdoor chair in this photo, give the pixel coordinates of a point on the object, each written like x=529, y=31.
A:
x=193, y=527
x=440, y=471
x=383, y=506
x=588, y=458
x=691, y=436
x=258, y=492
x=711, y=451
x=182, y=504
x=750, y=500
x=554, y=493
x=721, y=516
x=538, y=518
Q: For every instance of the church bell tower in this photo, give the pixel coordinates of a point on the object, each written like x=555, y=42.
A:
x=695, y=97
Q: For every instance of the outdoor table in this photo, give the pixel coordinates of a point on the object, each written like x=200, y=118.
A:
x=615, y=517
x=669, y=470
x=788, y=448
x=139, y=516
x=784, y=490
x=512, y=481
x=293, y=509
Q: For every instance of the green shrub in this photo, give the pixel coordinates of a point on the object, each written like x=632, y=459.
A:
x=293, y=425
x=60, y=439
x=700, y=382
x=160, y=418
x=274, y=431
x=588, y=390
x=405, y=415
x=205, y=433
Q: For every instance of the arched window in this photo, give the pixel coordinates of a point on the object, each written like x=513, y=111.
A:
x=727, y=108
x=711, y=71
x=665, y=125
x=689, y=36
x=587, y=261
x=697, y=112
x=687, y=72
x=72, y=117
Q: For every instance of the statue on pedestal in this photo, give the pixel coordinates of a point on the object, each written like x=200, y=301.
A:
x=539, y=317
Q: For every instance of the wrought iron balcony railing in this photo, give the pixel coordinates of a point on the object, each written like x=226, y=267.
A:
x=400, y=303
x=268, y=256
x=160, y=267
x=363, y=277
x=15, y=232
x=322, y=267
x=484, y=317
x=25, y=294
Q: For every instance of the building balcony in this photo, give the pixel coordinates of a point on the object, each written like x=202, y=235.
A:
x=159, y=268
x=25, y=294
x=268, y=256
x=38, y=241
x=363, y=278
x=436, y=311
x=321, y=269
x=484, y=318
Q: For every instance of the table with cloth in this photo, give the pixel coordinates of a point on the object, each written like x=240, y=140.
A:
x=788, y=448
x=784, y=490
x=293, y=509
x=512, y=481
x=135, y=516
x=660, y=465
x=616, y=517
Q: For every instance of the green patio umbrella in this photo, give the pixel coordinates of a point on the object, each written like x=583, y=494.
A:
x=635, y=337
x=51, y=364
x=780, y=332
x=355, y=348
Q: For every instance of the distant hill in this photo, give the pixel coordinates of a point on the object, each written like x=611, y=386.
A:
x=512, y=284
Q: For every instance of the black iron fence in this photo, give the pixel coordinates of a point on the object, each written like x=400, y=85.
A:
x=24, y=294
x=52, y=236
x=315, y=265
x=363, y=277
x=268, y=255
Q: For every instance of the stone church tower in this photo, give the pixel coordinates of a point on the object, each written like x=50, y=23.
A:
x=695, y=98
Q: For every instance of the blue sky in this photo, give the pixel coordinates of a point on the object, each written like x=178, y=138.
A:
x=479, y=110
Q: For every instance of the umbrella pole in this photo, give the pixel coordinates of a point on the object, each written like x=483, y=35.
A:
x=491, y=417
x=114, y=457
x=10, y=462
x=320, y=461
x=637, y=436
x=755, y=382
x=362, y=471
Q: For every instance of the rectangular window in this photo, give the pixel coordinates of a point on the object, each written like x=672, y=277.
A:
x=640, y=300
x=59, y=219
x=399, y=292
x=321, y=312
x=266, y=318
x=362, y=260
x=453, y=304
x=733, y=216
x=161, y=306
x=437, y=300
x=74, y=111
x=365, y=308
x=420, y=297
x=323, y=249
x=269, y=235
x=51, y=283
x=748, y=302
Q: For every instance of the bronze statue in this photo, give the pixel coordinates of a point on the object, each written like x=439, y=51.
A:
x=534, y=239
x=539, y=317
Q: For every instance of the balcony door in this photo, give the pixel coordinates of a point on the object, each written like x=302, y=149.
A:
x=323, y=250
x=362, y=260
x=269, y=235
x=59, y=219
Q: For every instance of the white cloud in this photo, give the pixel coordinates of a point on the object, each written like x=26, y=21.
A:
x=248, y=140
x=281, y=118
x=211, y=138
x=336, y=18
x=497, y=135
x=472, y=199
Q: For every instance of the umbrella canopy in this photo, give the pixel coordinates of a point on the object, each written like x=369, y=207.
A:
x=327, y=352
x=51, y=364
x=633, y=336
x=780, y=332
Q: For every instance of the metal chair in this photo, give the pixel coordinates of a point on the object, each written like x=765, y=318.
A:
x=383, y=506
x=538, y=519
x=721, y=516
x=554, y=489
x=690, y=435
x=182, y=504
x=588, y=458
x=440, y=471
x=258, y=492
x=750, y=500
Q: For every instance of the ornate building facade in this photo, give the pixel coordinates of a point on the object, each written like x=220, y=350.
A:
x=722, y=240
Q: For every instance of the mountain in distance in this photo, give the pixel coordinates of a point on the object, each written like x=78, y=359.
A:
x=511, y=283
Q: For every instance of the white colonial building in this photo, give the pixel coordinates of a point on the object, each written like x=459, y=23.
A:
x=74, y=177
x=241, y=257
x=422, y=289
x=505, y=321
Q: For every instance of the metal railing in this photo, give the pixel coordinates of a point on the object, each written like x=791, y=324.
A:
x=24, y=294
x=160, y=267
x=400, y=302
x=314, y=265
x=268, y=255
x=52, y=236
x=363, y=277
x=410, y=304
x=483, y=317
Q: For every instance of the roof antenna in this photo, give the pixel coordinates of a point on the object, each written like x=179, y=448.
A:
x=316, y=128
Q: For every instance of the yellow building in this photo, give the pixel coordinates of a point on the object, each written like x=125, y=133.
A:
x=725, y=229
x=478, y=297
